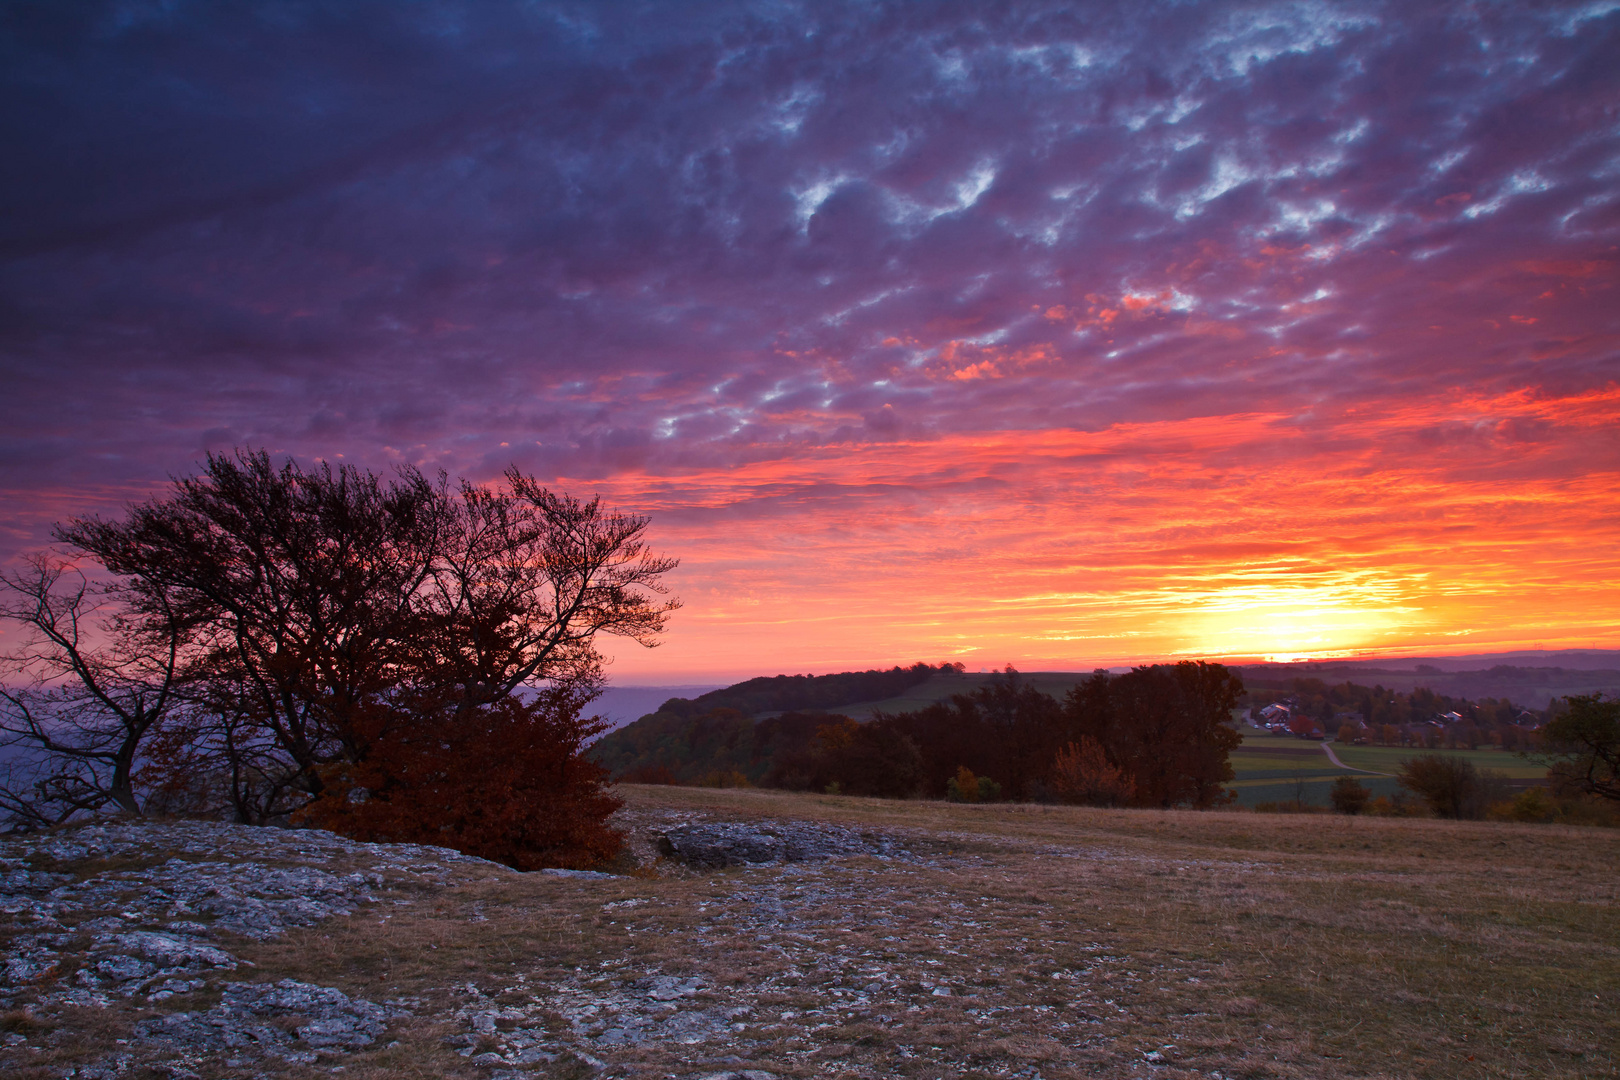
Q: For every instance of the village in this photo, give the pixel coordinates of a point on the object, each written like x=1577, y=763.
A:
x=1452, y=729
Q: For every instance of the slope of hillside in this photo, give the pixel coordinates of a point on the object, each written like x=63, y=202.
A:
x=874, y=938
x=713, y=734
x=772, y=694
x=1055, y=684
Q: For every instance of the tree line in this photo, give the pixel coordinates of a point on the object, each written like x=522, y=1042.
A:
x=398, y=659
x=1158, y=735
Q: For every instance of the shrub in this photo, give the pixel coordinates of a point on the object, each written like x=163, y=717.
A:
x=1082, y=773
x=505, y=782
x=1531, y=804
x=1451, y=786
x=963, y=787
x=1349, y=795
x=1397, y=805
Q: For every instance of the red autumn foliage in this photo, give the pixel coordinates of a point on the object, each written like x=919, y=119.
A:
x=1082, y=773
x=504, y=782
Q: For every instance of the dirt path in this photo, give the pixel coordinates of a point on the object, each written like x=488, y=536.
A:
x=1327, y=748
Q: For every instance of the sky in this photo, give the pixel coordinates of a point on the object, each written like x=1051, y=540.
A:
x=1054, y=334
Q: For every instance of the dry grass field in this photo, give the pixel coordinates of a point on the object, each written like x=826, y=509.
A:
x=1012, y=941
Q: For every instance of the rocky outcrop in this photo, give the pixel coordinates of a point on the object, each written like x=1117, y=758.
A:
x=149, y=912
x=244, y=1024
x=155, y=927
x=719, y=844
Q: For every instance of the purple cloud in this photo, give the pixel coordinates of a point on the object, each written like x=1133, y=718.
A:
x=600, y=239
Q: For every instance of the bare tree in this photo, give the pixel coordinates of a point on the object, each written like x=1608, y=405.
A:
x=1583, y=746
x=528, y=582
x=87, y=685
x=306, y=580
x=336, y=611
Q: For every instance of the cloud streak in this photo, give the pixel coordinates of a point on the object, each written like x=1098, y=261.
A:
x=1135, y=330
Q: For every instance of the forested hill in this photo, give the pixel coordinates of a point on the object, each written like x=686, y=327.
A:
x=688, y=738
x=1154, y=736
x=787, y=693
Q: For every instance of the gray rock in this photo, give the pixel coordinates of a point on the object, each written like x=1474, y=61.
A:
x=17, y=880
x=167, y=951
x=332, y=1022
x=167, y=988
x=554, y=872
x=124, y=968
x=669, y=988
x=29, y=966
x=107, y=1069
x=715, y=845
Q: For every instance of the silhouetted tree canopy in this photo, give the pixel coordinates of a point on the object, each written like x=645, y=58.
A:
x=85, y=687
x=1586, y=739
x=330, y=623
x=860, y=759
x=1167, y=726
x=1008, y=731
x=1450, y=785
x=1156, y=736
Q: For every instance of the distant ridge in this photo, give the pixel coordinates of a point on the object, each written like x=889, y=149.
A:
x=722, y=731
x=788, y=693
x=1534, y=681
x=1578, y=659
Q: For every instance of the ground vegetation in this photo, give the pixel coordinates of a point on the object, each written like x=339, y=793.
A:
x=949, y=940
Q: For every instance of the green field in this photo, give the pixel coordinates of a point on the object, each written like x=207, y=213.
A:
x=1281, y=768
x=1269, y=768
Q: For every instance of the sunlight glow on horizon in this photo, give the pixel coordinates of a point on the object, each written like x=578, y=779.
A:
x=1230, y=332
x=1128, y=544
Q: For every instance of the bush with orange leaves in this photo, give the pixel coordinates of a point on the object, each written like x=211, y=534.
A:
x=1082, y=773
x=505, y=782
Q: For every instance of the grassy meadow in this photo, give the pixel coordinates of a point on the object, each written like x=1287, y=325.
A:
x=1282, y=768
x=1248, y=945
x=1012, y=941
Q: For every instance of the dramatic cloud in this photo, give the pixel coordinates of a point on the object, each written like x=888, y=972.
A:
x=1050, y=333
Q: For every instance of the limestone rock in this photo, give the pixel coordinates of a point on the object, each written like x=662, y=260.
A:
x=720, y=844
x=325, y=1020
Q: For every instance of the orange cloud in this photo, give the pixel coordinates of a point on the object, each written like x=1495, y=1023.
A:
x=984, y=369
x=1480, y=522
